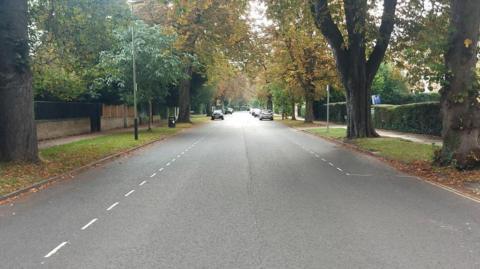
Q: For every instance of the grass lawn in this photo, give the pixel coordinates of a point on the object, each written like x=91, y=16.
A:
x=397, y=149
x=295, y=123
x=391, y=148
x=336, y=133
x=63, y=158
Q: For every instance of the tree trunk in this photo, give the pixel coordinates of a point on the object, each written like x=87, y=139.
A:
x=460, y=97
x=150, y=115
x=270, y=102
x=359, y=119
x=293, y=111
x=309, y=99
x=184, y=97
x=209, y=109
x=18, y=135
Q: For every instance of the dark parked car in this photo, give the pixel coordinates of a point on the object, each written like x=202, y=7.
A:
x=266, y=114
x=217, y=114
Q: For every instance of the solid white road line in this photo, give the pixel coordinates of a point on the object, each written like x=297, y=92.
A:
x=128, y=193
x=143, y=182
x=56, y=249
x=112, y=206
x=154, y=174
x=88, y=224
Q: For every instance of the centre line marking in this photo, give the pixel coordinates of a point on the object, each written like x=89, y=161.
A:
x=128, y=193
x=112, y=206
x=143, y=182
x=56, y=249
x=160, y=170
x=168, y=164
x=154, y=174
x=88, y=224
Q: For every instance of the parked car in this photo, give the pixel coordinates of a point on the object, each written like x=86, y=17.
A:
x=229, y=111
x=217, y=114
x=266, y=114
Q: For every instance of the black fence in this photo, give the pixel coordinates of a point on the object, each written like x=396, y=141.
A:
x=64, y=110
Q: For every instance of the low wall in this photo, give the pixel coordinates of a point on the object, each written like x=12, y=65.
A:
x=47, y=129
x=115, y=123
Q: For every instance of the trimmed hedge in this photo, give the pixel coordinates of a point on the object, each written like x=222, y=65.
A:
x=420, y=118
x=338, y=112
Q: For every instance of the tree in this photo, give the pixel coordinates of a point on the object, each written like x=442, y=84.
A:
x=356, y=71
x=18, y=136
x=460, y=99
x=159, y=65
x=312, y=63
x=390, y=85
x=206, y=28
x=67, y=38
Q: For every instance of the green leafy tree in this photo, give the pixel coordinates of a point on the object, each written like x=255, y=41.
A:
x=159, y=65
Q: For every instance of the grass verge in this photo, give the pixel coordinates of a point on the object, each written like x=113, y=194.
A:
x=60, y=159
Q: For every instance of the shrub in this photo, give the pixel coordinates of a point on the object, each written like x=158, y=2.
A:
x=421, y=118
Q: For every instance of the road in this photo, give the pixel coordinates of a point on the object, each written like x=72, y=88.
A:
x=241, y=193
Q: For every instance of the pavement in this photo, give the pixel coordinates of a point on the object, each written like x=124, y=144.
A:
x=241, y=193
x=417, y=138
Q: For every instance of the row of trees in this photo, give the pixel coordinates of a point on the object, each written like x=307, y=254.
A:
x=434, y=43
x=81, y=51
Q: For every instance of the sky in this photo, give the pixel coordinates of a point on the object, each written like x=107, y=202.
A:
x=257, y=15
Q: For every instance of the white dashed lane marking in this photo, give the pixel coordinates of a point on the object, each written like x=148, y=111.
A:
x=57, y=248
x=112, y=206
x=168, y=164
x=142, y=183
x=89, y=223
x=160, y=170
x=128, y=193
x=154, y=174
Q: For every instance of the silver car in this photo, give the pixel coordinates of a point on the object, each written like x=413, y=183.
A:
x=265, y=114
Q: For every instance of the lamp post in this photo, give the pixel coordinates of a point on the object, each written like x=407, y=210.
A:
x=328, y=108
x=135, y=120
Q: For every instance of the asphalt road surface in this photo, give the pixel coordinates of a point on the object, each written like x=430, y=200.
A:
x=241, y=193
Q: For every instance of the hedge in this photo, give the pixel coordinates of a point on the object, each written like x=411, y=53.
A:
x=338, y=112
x=421, y=118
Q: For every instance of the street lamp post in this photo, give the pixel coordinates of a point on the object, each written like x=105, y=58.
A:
x=328, y=108
x=135, y=120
